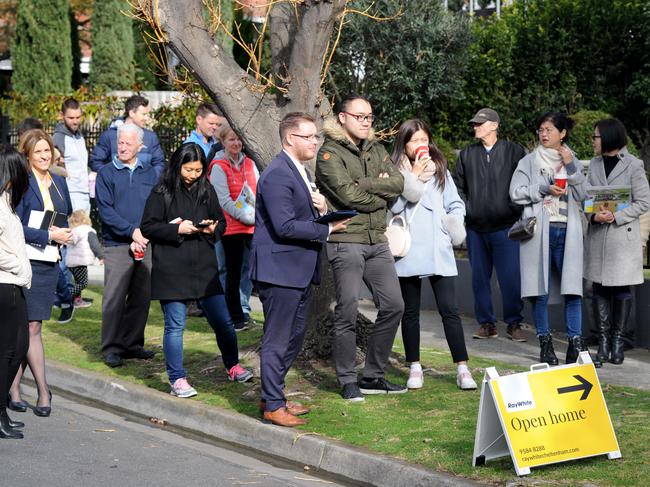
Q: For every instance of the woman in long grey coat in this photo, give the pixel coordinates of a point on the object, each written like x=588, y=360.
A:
x=549, y=184
x=613, y=255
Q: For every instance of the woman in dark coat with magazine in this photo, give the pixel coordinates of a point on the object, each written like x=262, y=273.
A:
x=613, y=255
x=181, y=219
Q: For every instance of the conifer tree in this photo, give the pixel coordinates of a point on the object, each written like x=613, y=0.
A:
x=41, y=53
x=112, y=65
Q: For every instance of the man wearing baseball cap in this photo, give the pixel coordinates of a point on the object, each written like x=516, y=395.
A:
x=482, y=176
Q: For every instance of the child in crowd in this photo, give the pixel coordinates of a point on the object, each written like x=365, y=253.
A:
x=81, y=253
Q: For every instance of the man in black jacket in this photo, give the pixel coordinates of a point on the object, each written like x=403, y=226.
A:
x=482, y=176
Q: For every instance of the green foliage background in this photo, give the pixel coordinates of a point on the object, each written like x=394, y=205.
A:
x=113, y=47
x=41, y=52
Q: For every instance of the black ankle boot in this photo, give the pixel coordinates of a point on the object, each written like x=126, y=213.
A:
x=602, y=317
x=6, y=431
x=546, y=352
x=572, y=351
x=622, y=310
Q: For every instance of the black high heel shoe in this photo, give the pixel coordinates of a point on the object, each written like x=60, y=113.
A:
x=43, y=411
x=18, y=406
x=6, y=431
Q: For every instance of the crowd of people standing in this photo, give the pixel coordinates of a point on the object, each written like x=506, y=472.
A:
x=204, y=228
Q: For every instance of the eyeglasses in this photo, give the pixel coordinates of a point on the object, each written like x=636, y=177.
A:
x=548, y=130
x=362, y=118
x=312, y=138
x=595, y=137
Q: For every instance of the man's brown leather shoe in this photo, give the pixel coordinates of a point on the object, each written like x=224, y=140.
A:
x=294, y=408
x=282, y=417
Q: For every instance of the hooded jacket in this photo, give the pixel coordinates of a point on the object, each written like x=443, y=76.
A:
x=106, y=147
x=73, y=149
x=348, y=176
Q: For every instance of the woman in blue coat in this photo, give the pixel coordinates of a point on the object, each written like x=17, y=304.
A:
x=46, y=192
x=435, y=212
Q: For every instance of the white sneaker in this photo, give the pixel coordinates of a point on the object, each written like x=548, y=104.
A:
x=182, y=388
x=416, y=379
x=465, y=381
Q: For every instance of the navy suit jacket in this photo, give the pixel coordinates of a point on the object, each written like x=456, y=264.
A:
x=32, y=200
x=287, y=243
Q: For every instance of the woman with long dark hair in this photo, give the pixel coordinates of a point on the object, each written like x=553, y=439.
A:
x=435, y=212
x=15, y=276
x=613, y=250
x=46, y=193
x=550, y=186
x=182, y=219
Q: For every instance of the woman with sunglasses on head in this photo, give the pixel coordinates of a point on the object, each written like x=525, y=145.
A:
x=233, y=176
x=182, y=219
x=613, y=250
x=46, y=192
x=550, y=185
x=435, y=212
x=15, y=277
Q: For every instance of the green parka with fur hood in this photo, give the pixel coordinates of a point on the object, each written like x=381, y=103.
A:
x=348, y=176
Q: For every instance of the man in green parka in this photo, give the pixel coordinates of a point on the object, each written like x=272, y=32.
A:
x=354, y=171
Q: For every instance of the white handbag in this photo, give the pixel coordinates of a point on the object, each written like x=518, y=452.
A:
x=398, y=235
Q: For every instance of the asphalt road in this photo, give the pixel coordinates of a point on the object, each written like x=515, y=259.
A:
x=80, y=445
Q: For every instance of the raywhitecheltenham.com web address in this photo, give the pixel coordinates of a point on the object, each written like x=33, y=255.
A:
x=537, y=456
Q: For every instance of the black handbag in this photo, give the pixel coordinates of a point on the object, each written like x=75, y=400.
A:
x=524, y=229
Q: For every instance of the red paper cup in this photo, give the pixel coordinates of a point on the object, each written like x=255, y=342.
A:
x=422, y=151
x=560, y=182
x=137, y=255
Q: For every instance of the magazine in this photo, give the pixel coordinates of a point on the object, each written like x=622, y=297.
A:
x=246, y=199
x=612, y=198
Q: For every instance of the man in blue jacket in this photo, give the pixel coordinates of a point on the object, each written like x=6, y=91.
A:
x=136, y=111
x=208, y=123
x=284, y=261
x=121, y=190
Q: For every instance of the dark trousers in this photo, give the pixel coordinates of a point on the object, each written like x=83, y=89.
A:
x=443, y=290
x=14, y=336
x=488, y=250
x=233, y=247
x=80, y=274
x=285, y=317
x=352, y=265
x=127, y=295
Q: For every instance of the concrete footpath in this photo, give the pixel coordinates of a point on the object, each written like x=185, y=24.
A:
x=333, y=457
x=633, y=372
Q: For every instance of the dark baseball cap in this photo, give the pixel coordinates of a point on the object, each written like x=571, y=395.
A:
x=485, y=115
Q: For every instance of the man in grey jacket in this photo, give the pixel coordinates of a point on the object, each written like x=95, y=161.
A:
x=72, y=146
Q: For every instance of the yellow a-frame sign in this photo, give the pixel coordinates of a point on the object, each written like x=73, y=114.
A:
x=547, y=415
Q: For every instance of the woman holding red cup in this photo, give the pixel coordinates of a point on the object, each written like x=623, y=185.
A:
x=550, y=186
x=431, y=204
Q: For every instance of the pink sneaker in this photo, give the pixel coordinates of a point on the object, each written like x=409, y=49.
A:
x=79, y=302
x=182, y=388
x=239, y=374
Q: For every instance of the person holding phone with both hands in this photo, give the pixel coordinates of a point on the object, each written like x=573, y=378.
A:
x=182, y=219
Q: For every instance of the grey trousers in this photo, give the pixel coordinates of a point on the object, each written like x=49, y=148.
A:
x=127, y=295
x=374, y=265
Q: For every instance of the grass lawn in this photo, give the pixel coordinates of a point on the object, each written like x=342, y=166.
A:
x=433, y=427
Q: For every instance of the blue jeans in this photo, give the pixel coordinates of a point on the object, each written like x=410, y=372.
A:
x=488, y=250
x=216, y=312
x=245, y=283
x=572, y=303
x=64, y=284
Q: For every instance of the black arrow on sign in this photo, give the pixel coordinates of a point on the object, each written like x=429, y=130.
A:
x=584, y=386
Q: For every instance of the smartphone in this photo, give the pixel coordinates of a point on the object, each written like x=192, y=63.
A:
x=203, y=224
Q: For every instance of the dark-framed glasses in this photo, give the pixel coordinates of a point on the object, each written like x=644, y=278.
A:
x=361, y=117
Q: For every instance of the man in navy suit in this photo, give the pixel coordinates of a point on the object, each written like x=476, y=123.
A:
x=284, y=260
